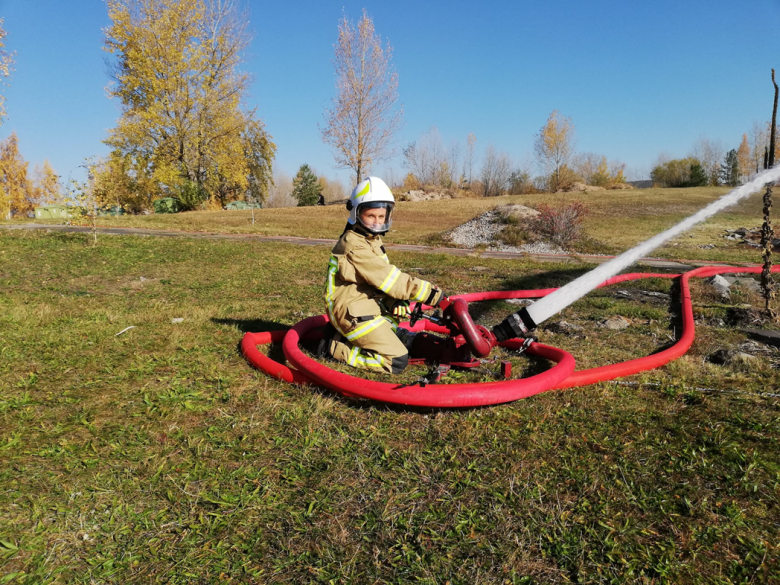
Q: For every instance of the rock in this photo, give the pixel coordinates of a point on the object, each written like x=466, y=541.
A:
x=615, y=323
x=479, y=268
x=578, y=187
x=721, y=285
x=741, y=231
x=516, y=211
x=521, y=302
x=766, y=336
x=564, y=327
x=642, y=295
x=751, y=347
x=744, y=282
x=177, y=320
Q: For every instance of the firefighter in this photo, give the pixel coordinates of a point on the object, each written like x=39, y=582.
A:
x=366, y=296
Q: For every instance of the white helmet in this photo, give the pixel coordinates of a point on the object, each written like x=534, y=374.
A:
x=371, y=193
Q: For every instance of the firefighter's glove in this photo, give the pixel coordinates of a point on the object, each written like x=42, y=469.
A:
x=400, y=310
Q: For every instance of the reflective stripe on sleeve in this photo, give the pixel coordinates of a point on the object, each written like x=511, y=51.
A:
x=390, y=280
x=423, y=292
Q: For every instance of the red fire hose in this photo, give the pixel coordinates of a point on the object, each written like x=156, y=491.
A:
x=562, y=375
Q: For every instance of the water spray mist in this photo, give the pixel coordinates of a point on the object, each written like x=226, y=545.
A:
x=528, y=318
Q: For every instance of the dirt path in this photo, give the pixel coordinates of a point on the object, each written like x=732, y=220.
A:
x=578, y=258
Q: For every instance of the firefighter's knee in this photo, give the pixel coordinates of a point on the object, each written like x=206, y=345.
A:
x=398, y=364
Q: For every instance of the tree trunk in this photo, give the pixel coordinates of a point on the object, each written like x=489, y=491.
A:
x=767, y=233
x=773, y=127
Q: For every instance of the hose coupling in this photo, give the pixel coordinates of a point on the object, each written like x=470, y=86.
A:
x=518, y=324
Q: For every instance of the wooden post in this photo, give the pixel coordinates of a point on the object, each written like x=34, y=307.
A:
x=767, y=233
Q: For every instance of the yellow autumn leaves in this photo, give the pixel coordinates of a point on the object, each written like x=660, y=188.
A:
x=183, y=127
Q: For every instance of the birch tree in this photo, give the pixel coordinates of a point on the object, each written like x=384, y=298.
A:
x=495, y=172
x=759, y=141
x=554, y=148
x=710, y=154
x=177, y=75
x=363, y=118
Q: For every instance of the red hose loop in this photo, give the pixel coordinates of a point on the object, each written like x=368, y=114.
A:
x=249, y=344
x=308, y=371
x=432, y=395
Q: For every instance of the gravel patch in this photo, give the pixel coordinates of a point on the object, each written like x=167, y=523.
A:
x=484, y=229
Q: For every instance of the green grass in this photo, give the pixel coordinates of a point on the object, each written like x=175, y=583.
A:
x=160, y=456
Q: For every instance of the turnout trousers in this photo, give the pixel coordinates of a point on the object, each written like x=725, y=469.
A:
x=378, y=349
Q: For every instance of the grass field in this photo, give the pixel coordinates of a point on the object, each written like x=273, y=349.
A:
x=618, y=220
x=160, y=456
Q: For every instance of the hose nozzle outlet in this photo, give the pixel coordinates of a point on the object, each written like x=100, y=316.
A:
x=518, y=324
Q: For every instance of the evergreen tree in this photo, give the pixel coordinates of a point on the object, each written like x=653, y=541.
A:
x=729, y=170
x=306, y=187
x=698, y=176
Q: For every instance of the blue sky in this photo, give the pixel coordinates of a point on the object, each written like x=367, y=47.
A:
x=636, y=78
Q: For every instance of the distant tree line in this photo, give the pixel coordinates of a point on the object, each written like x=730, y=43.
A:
x=710, y=164
x=431, y=164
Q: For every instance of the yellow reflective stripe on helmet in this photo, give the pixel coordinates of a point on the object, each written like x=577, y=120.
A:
x=423, y=292
x=390, y=280
x=365, y=189
x=365, y=328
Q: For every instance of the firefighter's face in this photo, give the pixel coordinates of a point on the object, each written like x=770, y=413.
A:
x=373, y=218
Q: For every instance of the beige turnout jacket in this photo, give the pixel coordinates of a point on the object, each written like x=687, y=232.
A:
x=360, y=277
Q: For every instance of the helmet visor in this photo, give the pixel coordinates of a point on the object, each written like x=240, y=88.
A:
x=376, y=216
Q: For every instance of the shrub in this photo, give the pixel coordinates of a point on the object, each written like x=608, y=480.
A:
x=513, y=234
x=191, y=195
x=561, y=225
x=167, y=205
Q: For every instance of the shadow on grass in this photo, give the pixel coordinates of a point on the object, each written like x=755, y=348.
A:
x=551, y=279
x=256, y=326
x=251, y=325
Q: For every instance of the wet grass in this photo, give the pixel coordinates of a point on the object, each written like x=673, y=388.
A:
x=160, y=456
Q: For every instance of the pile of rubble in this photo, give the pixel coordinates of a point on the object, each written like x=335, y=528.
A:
x=750, y=237
x=485, y=229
